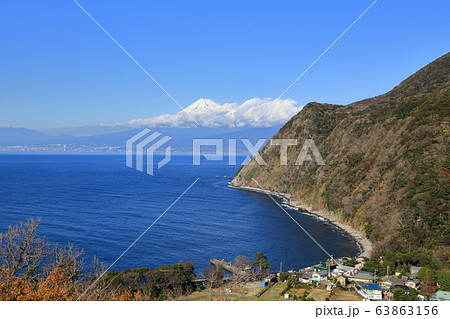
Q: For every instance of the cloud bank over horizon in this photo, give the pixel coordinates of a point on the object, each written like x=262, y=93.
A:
x=211, y=114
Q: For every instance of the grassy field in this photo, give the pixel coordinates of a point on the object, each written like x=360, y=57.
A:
x=250, y=290
x=253, y=288
x=318, y=294
x=274, y=291
x=346, y=296
x=298, y=291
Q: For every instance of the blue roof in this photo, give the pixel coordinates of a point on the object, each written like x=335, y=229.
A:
x=372, y=286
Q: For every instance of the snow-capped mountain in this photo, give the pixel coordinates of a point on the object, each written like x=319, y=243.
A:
x=208, y=113
x=202, y=106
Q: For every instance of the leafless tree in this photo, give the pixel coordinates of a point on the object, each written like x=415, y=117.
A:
x=22, y=250
x=213, y=274
x=244, y=267
x=102, y=289
x=243, y=262
x=67, y=258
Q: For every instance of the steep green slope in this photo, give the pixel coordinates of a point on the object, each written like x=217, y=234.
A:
x=387, y=163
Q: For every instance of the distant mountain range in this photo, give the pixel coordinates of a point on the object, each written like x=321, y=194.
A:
x=15, y=136
x=254, y=119
x=25, y=139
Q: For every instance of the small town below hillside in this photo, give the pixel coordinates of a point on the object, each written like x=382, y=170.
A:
x=57, y=148
x=342, y=279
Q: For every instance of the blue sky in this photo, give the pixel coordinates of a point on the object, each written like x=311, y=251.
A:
x=59, y=69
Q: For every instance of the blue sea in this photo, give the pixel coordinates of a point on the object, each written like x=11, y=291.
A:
x=97, y=203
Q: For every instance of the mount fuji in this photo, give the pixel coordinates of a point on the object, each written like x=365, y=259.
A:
x=207, y=113
x=226, y=121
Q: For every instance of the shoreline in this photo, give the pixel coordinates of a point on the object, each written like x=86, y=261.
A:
x=365, y=245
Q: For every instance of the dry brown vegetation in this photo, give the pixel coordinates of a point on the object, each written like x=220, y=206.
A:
x=387, y=163
x=32, y=269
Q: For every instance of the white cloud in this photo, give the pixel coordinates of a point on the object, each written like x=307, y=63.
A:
x=211, y=114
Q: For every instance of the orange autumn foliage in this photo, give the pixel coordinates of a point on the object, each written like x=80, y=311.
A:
x=51, y=288
x=55, y=287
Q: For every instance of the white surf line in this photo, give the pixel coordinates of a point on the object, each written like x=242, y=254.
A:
x=315, y=61
x=137, y=239
x=134, y=60
x=306, y=232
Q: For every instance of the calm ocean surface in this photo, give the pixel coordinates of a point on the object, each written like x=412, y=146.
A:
x=102, y=206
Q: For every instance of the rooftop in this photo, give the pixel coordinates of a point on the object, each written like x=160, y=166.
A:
x=364, y=275
x=404, y=287
x=372, y=286
x=394, y=281
x=322, y=273
x=346, y=268
x=441, y=295
x=306, y=275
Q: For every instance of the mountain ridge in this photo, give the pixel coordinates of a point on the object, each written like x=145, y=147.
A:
x=387, y=162
x=182, y=138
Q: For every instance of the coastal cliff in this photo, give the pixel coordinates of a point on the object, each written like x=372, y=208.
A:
x=387, y=163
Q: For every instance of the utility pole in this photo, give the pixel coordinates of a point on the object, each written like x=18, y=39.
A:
x=281, y=266
x=329, y=267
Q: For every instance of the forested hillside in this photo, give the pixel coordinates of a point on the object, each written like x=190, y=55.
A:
x=387, y=163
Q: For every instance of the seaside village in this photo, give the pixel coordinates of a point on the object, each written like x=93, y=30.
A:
x=340, y=279
x=336, y=275
x=366, y=284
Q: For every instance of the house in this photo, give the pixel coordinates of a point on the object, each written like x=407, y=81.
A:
x=363, y=277
x=306, y=278
x=374, y=292
x=392, y=281
x=307, y=269
x=342, y=280
x=413, y=283
x=337, y=272
x=271, y=278
x=319, y=276
x=298, y=274
x=414, y=269
x=320, y=267
x=441, y=295
x=347, y=270
x=404, y=287
x=370, y=291
x=360, y=263
x=361, y=260
x=360, y=266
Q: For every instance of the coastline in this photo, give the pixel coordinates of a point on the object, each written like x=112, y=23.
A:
x=365, y=245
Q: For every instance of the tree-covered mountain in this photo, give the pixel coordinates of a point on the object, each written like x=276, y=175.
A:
x=387, y=163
